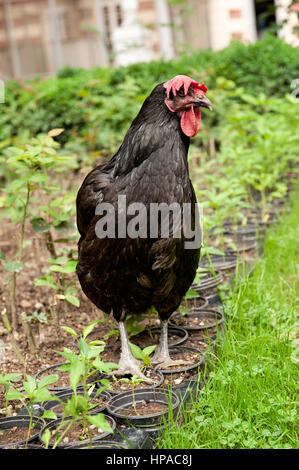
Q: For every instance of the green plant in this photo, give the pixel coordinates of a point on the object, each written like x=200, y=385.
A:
x=30, y=165
x=7, y=380
x=82, y=366
x=142, y=354
x=33, y=393
x=135, y=380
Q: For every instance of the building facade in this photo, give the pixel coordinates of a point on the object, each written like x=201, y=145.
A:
x=39, y=37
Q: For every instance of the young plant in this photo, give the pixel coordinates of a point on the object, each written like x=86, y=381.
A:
x=143, y=354
x=7, y=380
x=82, y=366
x=30, y=167
x=33, y=393
x=135, y=380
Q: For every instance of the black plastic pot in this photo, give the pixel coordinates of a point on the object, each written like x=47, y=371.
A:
x=251, y=228
x=178, y=350
x=156, y=385
x=21, y=422
x=99, y=445
x=56, y=422
x=55, y=370
x=207, y=281
x=220, y=262
x=215, y=315
x=64, y=395
x=243, y=247
x=121, y=402
x=180, y=335
x=198, y=303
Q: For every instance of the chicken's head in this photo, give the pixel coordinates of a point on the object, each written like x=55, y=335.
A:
x=184, y=97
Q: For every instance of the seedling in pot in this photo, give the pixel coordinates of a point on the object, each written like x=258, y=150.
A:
x=7, y=380
x=135, y=380
x=33, y=393
x=143, y=354
x=81, y=367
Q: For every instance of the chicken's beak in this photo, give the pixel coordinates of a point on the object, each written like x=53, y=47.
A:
x=203, y=102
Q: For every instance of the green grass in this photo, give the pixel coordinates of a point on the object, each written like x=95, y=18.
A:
x=249, y=400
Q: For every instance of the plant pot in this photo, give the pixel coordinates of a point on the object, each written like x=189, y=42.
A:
x=251, y=228
x=121, y=407
x=99, y=445
x=198, y=303
x=200, y=320
x=63, y=378
x=176, y=336
x=64, y=395
x=196, y=357
x=220, y=262
x=243, y=247
x=208, y=280
x=54, y=424
x=122, y=387
x=18, y=436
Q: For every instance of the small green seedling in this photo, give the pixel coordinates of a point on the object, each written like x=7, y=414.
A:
x=143, y=354
x=81, y=367
x=135, y=380
x=34, y=392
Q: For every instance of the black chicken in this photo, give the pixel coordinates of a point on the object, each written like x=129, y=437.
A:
x=124, y=274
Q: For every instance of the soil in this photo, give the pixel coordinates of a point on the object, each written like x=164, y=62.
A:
x=196, y=302
x=144, y=408
x=15, y=434
x=179, y=379
x=118, y=386
x=201, y=320
x=192, y=357
x=149, y=338
x=76, y=433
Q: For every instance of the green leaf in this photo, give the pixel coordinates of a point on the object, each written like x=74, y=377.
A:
x=76, y=372
x=47, y=380
x=100, y=422
x=70, y=330
x=136, y=351
x=29, y=385
x=40, y=225
x=13, y=377
x=46, y=436
x=49, y=414
x=72, y=300
x=89, y=328
x=42, y=394
x=149, y=349
x=57, y=269
x=14, y=395
x=14, y=266
x=70, y=266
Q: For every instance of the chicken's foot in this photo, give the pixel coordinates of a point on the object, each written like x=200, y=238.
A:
x=161, y=356
x=128, y=364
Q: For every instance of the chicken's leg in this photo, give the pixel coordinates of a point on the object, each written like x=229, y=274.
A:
x=161, y=356
x=128, y=363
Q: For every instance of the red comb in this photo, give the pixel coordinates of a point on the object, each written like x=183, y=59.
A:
x=182, y=80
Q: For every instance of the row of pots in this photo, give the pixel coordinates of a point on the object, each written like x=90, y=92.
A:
x=116, y=402
x=118, y=414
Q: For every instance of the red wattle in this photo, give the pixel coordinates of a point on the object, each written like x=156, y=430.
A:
x=190, y=121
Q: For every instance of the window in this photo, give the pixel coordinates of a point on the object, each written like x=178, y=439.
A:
x=235, y=14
